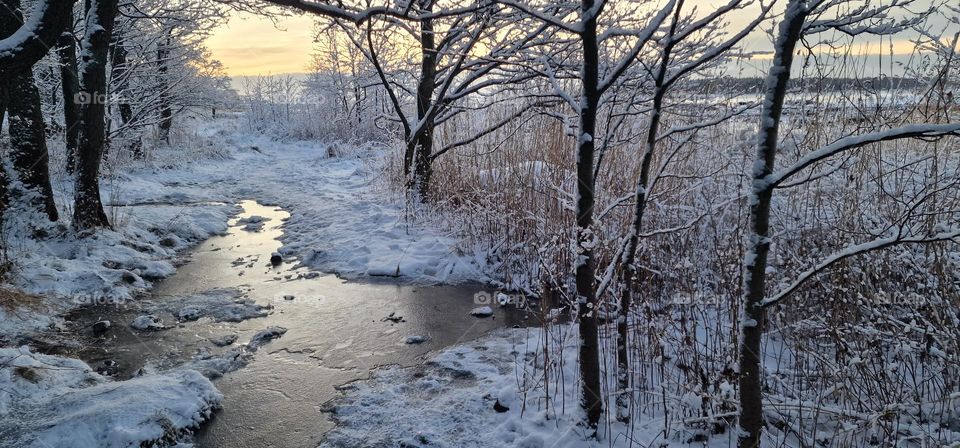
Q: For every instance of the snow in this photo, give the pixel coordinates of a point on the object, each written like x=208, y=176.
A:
x=253, y=223
x=341, y=220
x=147, y=322
x=218, y=305
x=483, y=311
x=50, y=401
x=449, y=402
x=416, y=339
x=213, y=365
x=107, y=267
x=23, y=36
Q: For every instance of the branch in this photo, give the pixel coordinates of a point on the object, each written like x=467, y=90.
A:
x=362, y=15
x=643, y=37
x=32, y=41
x=854, y=250
x=544, y=17
x=488, y=130
x=856, y=141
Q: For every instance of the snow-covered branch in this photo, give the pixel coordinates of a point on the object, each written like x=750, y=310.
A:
x=854, y=250
x=923, y=130
x=37, y=36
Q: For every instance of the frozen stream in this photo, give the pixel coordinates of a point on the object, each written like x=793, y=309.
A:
x=337, y=333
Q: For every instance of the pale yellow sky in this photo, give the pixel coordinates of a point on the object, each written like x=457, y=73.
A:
x=252, y=45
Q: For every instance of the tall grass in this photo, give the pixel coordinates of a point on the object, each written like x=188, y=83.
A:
x=867, y=354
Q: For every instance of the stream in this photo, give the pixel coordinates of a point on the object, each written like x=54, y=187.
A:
x=338, y=332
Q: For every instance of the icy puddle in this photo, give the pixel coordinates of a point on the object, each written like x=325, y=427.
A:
x=337, y=331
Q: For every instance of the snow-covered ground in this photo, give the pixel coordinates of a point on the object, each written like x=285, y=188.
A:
x=490, y=392
x=67, y=271
x=51, y=401
x=340, y=222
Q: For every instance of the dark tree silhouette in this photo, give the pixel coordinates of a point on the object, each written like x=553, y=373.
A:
x=88, y=208
x=27, y=130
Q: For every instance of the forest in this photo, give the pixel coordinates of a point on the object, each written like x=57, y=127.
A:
x=524, y=223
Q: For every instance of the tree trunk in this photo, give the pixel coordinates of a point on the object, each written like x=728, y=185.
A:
x=423, y=169
x=118, y=77
x=592, y=401
x=88, y=209
x=422, y=147
x=4, y=181
x=70, y=86
x=758, y=249
x=640, y=207
x=28, y=139
x=166, y=112
x=120, y=83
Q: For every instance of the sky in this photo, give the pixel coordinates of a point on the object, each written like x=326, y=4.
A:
x=253, y=45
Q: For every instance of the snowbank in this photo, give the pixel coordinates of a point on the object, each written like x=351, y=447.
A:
x=104, y=267
x=49, y=401
x=218, y=305
x=480, y=394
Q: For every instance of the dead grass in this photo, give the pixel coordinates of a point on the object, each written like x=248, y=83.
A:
x=12, y=300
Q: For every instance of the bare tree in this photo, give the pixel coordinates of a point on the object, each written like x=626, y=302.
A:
x=160, y=68
x=596, y=77
x=669, y=70
x=803, y=18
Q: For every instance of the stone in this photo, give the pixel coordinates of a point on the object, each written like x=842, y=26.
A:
x=101, y=327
